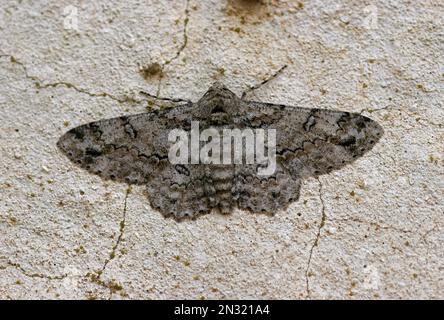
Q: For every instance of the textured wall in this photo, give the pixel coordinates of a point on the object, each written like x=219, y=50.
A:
x=374, y=229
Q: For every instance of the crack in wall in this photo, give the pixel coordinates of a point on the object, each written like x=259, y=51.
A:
x=95, y=277
x=124, y=99
x=112, y=254
x=424, y=239
x=181, y=48
x=32, y=275
x=41, y=85
x=317, y=238
x=375, y=225
x=185, y=35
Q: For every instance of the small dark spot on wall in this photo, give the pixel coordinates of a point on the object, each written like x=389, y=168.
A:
x=150, y=71
x=13, y=220
x=248, y=11
x=236, y=29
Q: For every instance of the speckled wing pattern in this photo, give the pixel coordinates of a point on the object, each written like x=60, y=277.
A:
x=134, y=149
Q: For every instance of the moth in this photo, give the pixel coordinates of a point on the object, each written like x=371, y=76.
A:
x=135, y=149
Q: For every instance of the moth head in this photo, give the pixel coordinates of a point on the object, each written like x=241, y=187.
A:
x=218, y=103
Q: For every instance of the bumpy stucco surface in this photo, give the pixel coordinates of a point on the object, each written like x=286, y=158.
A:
x=371, y=230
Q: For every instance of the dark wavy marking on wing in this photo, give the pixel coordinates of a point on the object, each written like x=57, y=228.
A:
x=312, y=142
x=129, y=149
